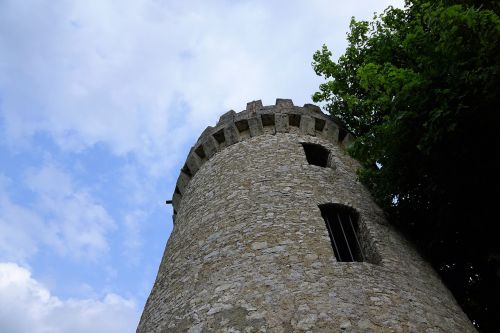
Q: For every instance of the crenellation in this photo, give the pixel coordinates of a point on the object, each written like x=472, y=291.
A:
x=227, y=117
x=258, y=120
x=206, y=132
x=282, y=103
x=254, y=106
x=313, y=108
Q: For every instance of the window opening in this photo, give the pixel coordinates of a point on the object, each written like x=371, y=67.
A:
x=200, y=152
x=319, y=124
x=243, y=128
x=186, y=170
x=242, y=125
x=267, y=119
x=219, y=136
x=342, y=224
x=294, y=120
x=316, y=154
x=342, y=134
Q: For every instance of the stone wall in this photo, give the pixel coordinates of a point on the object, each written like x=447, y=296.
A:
x=250, y=251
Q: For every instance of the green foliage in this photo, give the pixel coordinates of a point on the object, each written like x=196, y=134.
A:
x=419, y=88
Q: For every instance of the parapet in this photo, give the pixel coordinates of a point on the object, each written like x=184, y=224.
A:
x=232, y=127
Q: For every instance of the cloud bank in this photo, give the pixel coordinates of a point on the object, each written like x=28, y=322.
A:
x=27, y=306
x=139, y=75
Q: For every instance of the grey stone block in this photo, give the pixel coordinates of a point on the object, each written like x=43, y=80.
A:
x=227, y=117
x=254, y=106
x=307, y=125
x=193, y=162
x=313, y=108
x=281, y=122
x=182, y=182
x=206, y=132
x=209, y=146
x=331, y=132
x=231, y=134
x=282, y=103
x=255, y=125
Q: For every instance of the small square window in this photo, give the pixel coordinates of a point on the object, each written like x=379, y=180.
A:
x=316, y=154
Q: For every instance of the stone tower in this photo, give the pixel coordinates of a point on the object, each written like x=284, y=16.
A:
x=273, y=233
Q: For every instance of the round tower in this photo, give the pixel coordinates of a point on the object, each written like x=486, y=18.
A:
x=274, y=233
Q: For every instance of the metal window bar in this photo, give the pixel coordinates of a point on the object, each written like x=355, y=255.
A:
x=356, y=237
x=345, y=237
x=337, y=252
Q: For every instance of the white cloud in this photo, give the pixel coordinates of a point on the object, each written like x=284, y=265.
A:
x=63, y=217
x=18, y=229
x=26, y=306
x=76, y=224
x=133, y=240
x=141, y=75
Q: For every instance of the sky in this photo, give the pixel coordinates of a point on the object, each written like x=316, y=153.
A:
x=100, y=102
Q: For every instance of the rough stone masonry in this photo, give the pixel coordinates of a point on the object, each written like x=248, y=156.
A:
x=251, y=252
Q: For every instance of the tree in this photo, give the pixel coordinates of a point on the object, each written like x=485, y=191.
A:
x=419, y=87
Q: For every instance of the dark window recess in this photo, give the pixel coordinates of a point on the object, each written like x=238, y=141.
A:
x=219, y=136
x=186, y=170
x=319, y=124
x=200, y=152
x=267, y=119
x=316, y=154
x=342, y=134
x=294, y=120
x=342, y=224
x=242, y=125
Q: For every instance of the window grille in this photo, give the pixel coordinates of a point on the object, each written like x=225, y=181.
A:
x=342, y=224
x=316, y=154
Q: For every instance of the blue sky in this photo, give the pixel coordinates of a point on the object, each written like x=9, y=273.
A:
x=100, y=102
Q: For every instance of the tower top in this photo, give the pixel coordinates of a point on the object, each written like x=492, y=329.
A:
x=255, y=120
x=274, y=233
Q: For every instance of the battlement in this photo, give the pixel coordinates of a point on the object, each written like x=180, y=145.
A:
x=255, y=120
